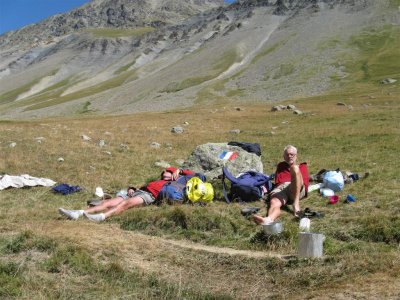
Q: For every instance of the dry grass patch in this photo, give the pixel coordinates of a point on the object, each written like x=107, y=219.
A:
x=362, y=238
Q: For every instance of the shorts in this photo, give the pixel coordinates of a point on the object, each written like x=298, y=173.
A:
x=147, y=197
x=283, y=193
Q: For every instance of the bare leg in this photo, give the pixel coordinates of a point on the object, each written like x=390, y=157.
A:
x=274, y=208
x=274, y=212
x=105, y=205
x=123, y=206
x=295, y=187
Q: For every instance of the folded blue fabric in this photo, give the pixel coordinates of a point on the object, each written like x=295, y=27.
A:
x=66, y=189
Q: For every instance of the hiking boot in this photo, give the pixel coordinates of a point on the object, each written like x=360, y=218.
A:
x=95, y=217
x=70, y=214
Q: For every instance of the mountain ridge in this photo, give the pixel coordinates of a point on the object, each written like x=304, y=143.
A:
x=254, y=50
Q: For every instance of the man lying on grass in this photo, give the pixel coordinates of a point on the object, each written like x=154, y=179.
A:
x=146, y=195
x=291, y=185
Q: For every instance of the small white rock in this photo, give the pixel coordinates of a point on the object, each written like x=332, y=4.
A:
x=85, y=137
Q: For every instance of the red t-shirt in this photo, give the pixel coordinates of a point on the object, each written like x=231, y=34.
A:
x=282, y=174
x=154, y=187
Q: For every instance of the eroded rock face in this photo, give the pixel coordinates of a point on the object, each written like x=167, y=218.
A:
x=110, y=14
x=94, y=54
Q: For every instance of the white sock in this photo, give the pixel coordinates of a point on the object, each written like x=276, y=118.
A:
x=96, y=217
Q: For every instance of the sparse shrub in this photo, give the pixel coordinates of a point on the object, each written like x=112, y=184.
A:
x=76, y=258
x=10, y=280
x=114, y=270
x=379, y=228
x=178, y=216
x=18, y=243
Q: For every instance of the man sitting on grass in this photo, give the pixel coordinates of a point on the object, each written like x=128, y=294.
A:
x=291, y=185
x=134, y=198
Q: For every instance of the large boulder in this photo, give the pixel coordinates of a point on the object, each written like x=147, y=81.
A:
x=208, y=159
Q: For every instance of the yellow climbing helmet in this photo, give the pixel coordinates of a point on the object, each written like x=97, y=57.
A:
x=197, y=190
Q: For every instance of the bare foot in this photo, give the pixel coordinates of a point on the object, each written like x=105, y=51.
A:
x=296, y=210
x=298, y=213
x=260, y=220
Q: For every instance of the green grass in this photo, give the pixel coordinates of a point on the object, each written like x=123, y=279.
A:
x=98, y=88
x=85, y=108
x=379, y=56
x=234, y=93
x=124, y=68
x=112, y=278
x=12, y=95
x=227, y=59
x=284, y=70
x=267, y=51
x=361, y=238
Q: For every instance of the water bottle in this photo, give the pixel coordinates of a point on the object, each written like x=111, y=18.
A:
x=305, y=224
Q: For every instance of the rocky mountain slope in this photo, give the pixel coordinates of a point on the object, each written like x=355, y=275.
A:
x=125, y=56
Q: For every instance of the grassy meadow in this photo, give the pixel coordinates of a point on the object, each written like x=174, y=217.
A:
x=185, y=252
x=209, y=252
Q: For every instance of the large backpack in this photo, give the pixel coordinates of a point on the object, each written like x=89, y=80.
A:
x=249, y=147
x=175, y=191
x=246, y=187
x=198, y=190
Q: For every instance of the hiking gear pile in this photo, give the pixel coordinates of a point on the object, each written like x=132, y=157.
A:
x=192, y=188
x=248, y=186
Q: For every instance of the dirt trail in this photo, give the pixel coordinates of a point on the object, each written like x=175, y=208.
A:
x=111, y=236
x=173, y=260
x=189, y=263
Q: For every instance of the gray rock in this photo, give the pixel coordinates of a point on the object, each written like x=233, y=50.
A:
x=180, y=161
x=155, y=145
x=162, y=164
x=13, y=144
x=278, y=107
x=298, y=112
x=206, y=159
x=291, y=107
x=177, y=130
x=86, y=138
x=341, y=104
x=235, y=131
x=102, y=143
x=39, y=139
x=60, y=159
x=388, y=81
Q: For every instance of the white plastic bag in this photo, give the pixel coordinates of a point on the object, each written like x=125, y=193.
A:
x=334, y=180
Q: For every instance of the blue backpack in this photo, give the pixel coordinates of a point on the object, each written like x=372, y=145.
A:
x=246, y=187
x=175, y=191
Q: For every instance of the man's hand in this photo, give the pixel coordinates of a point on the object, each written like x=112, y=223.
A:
x=176, y=174
x=130, y=192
